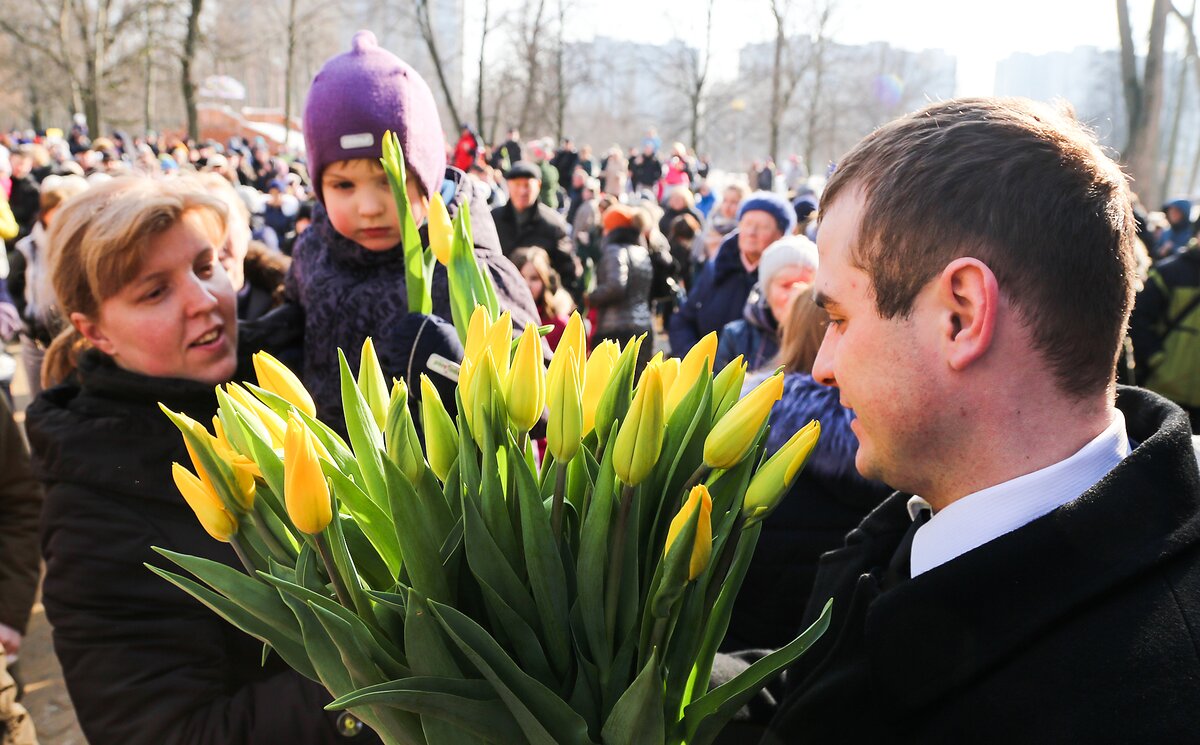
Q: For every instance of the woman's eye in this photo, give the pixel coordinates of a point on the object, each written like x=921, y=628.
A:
x=204, y=271
x=155, y=293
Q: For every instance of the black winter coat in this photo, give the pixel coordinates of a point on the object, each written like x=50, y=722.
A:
x=546, y=229
x=145, y=664
x=1082, y=626
x=717, y=296
x=623, y=277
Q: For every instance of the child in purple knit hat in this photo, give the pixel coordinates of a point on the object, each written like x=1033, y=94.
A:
x=348, y=267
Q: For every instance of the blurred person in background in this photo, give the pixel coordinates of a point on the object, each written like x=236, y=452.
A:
x=553, y=303
x=623, y=278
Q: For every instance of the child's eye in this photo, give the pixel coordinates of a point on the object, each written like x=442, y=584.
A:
x=155, y=293
x=205, y=270
x=342, y=185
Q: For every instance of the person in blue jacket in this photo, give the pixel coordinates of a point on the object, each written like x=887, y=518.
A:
x=720, y=290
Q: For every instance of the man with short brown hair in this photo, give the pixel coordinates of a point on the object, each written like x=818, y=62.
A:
x=1036, y=578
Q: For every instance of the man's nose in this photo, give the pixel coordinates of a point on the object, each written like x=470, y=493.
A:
x=822, y=371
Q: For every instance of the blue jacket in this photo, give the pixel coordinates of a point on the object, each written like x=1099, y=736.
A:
x=755, y=336
x=827, y=500
x=1177, y=236
x=717, y=296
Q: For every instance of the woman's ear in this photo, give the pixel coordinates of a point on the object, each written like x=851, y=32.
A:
x=92, y=332
x=969, y=298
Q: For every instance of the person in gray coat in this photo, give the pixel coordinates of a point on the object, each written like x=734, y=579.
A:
x=623, y=278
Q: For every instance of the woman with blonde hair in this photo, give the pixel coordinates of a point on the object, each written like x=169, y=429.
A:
x=151, y=312
x=554, y=304
x=828, y=499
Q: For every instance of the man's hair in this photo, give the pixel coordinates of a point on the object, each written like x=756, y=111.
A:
x=1020, y=186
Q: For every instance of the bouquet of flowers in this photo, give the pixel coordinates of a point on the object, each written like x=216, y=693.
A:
x=447, y=585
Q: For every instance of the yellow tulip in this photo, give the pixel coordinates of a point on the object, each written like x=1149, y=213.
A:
x=727, y=387
x=441, y=436
x=597, y=372
x=485, y=390
x=499, y=343
x=640, y=437
x=564, y=427
x=698, y=499
x=773, y=479
x=238, y=483
x=573, y=339
x=276, y=427
x=372, y=383
x=466, y=385
x=698, y=361
x=732, y=437
x=440, y=229
x=400, y=435
x=213, y=516
x=481, y=322
x=525, y=388
x=274, y=376
x=669, y=370
x=614, y=401
x=305, y=490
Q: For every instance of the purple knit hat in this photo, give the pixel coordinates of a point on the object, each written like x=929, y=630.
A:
x=359, y=95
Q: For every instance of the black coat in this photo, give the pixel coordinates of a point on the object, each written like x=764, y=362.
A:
x=717, y=296
x=145, y=663
x=546, y=229
x=1082, y=626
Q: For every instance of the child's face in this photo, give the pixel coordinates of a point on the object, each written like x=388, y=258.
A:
x=360, y=205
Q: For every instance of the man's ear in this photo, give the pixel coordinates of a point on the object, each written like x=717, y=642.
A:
x=91, y=331
x=969, y=298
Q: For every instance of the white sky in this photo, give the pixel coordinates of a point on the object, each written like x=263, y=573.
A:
x=977, y=33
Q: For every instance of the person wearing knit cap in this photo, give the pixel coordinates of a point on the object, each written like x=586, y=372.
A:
x=720, y=290
x=526, y=221
x=348, y=270
x=787, y=268
x=623, y=278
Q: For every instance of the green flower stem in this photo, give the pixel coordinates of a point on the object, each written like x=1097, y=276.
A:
x=721, y=569
x=616, y=558
x=339, y=585
x=560, y=489
x=278, y=552
x=702, y=471
x=243, y=556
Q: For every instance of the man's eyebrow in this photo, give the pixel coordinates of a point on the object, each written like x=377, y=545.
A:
x=823, y=301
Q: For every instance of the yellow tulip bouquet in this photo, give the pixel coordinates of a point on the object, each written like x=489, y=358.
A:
x=448, y=587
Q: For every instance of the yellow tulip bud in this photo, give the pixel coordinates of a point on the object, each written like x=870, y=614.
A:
x=598, y=371
x=213, y=516
x=400, y=435
x=727, y=387
x=669, y=370
x=614, y=401
x=305, y=490
x=697, y=362
x=440, y=229
x=485, y=390
x=732, y=437
x=773, y=479
x=698, y=499
x=219, y=433
x=372, y=383
x=441, y=436
x=274, y=376
x=466, y=385
x=238, y=482
x=640, y=437
x=275, y=426
x=564, y=428
x=573, y=339
x=525, y=388
x=499, y=343
x=481, y=322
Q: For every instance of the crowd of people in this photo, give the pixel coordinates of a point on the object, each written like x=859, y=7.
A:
x=957, y=337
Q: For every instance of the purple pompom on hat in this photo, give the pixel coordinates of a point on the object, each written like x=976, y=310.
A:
x=359, y=95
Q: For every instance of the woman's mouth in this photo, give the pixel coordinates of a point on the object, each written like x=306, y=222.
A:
x=209, y=338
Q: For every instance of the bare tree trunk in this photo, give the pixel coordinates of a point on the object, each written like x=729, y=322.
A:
x=779, y=12
x=427, y=33
x=701, y=79
x=187, y=82
x=560, y=98
x=1177, y=118
x=289, y=74
x=148, y=74
x=482, y=51
x=532, y=69
x=1143, y=99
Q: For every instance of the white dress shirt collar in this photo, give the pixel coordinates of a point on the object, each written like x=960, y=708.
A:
x=988, y=514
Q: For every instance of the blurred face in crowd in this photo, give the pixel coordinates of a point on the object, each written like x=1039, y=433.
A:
x=729, y=203
x=785, y=285
x=21, y=165
x=756, y=231
x=178, y=317
x=530, y=273
x=523, y=192
x=359, y=201
x=676, y=202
